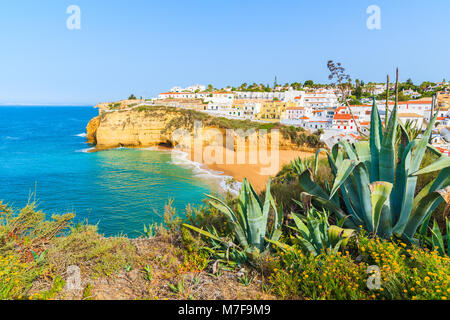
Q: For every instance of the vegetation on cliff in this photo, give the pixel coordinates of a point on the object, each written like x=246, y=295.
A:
x=171, y=118
x=176, y=262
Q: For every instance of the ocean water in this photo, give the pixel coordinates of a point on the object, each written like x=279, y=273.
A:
x=43, y=157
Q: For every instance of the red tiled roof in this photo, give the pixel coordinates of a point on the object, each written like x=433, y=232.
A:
x=355, y=136
x=343, y=116
x=340, y=108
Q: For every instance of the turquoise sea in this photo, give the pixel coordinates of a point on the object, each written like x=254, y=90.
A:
x=43, y=157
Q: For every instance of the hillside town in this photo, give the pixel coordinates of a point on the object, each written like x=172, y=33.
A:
x=315, y=109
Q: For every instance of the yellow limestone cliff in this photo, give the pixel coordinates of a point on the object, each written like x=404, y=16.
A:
x=153, y=126
x=130, y=128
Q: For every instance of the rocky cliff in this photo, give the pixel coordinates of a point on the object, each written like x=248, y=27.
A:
x=131, y=128
x=153, y=125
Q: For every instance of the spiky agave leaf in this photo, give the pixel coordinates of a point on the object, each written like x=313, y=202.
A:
x=437, y=241
x=204, y=232
x=362, y=181
x=441, y=163
x=424, y=208
x=379, y=193
x=255, y=221
x=411, y=181
x=228, y=212
x=376, y=135
x=363, y=152
x=387, y=151
x=442, y=180
x=336, y=234
x=343, y=173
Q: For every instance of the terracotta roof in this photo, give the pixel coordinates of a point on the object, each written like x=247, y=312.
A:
x=340, y=108
x=355, y=136
x=343, y=116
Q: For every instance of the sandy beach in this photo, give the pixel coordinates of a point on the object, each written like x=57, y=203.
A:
x=256, y=173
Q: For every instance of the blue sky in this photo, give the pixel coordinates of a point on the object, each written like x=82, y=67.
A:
x=145, y=47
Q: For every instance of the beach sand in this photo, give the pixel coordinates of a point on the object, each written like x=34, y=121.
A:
x=256, y=173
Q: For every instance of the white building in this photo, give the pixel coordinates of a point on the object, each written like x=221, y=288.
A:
x=344, y=122
x=194, y=88
x=217, y=97
x=405, y=117
x=321, y=100
x=289, y=95
x=177, y=95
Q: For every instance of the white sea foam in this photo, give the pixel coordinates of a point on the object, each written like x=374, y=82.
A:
x=180, y=158
x=82, y=135
x=86, y=150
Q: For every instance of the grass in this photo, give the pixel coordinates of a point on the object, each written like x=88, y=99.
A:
x=111, y=268
x=104, y=256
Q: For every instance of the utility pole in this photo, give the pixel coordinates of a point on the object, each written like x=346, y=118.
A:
x=396, y=87
x=387, y=103
x=433, y=106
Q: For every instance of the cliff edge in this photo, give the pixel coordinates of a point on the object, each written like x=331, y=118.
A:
x=147, y=126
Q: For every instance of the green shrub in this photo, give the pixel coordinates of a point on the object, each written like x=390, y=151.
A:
x=377, y=187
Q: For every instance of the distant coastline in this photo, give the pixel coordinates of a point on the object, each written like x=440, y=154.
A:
x=47, y=105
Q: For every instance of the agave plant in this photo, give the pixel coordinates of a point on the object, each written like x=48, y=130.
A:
x=302, y=165
x=250, y=221
x=411, y=128
x=315, y=235
x=377, y=180
x=436, y=240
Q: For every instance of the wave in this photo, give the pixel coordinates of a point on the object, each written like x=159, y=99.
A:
x=226, y=183
x=11, y=138
x=82, y=135
x=86, y=150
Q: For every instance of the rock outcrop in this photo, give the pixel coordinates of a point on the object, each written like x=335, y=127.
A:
x=153, y=125
x=132, y=128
